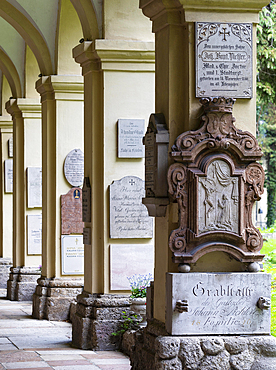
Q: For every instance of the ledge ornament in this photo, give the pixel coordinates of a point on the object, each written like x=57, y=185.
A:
x=216, y=180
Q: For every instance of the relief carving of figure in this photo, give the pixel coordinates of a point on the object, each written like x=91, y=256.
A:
x=224, y=218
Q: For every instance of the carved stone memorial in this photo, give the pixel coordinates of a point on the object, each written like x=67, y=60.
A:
x=130, y=137
x=224, y=59
x=72, y=255
x=34, y=187
x=86, y=200
x=10, y=147
x=71, y=212
x=8, y=167
x=34, y=227
x=156, y=143
x=216, y=180
x=74, y=167
x=128, y=216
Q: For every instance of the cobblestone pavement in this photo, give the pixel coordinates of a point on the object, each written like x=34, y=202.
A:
x=26, y=343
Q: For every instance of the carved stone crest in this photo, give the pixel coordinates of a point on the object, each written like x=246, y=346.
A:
x=216, y=180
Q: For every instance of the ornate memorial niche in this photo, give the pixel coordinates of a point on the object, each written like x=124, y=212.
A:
x=215, y=180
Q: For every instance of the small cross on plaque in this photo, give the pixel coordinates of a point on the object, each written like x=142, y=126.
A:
x=224, y=33
x=132, y=182
x=76, y=241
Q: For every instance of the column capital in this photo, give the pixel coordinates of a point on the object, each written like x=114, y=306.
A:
x=173, y=12
x=24, y=108
x=60, y=87
x=116, y=55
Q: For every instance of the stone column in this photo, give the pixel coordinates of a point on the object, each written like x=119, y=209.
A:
x=5, y=204
x=26, y=115
x=62, y=131
x=118, y=80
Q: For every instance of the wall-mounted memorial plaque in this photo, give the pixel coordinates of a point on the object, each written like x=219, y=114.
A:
x=217, y=303
x=71, y=212
x=128, y=216
x=10, y=147
x=224, y=60
x=8, y=164
x=74, y=167
x=34, y=187
x=130, y=137
x=86, y=200
x=34, y=227
x=72, y=254
x=87, y=235
x=127, y=260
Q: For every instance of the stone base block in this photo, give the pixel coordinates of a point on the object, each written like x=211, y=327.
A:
x=53, y=297
x=97, y=317
x=22, y=282
x=5, y=265
x=153, y=349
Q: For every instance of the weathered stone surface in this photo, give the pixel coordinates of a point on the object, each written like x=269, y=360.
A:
x=22, y=283
x=219, y=362
x=265, y=345
x=242, y=361
x=81, y=332
x=128, y=342
x=71, y=212
x=212, y=346
x=235, y=345
x=264, y=364
x=190, y=352
x=171, y=364
x=167, y=347
x=5, y=265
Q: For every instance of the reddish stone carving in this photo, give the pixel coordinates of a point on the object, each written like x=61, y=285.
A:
x=71, y=212
x=215, y=180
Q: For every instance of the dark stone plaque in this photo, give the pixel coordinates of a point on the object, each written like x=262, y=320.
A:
x=86, y=200
x=224, y=60
x=71, y=212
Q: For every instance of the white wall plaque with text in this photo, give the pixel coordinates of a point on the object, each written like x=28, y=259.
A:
x=72, y=254
x=34, y=224
x=34, y=187
x=130, y=138
x=8, y=175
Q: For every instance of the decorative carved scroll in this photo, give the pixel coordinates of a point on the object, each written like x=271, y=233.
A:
x=215, y=181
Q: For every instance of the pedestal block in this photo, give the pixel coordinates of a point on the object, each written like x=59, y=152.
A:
x=155, y=350
x=53, y=297
x=5, y=265
x=97, y=317
x=22, y=282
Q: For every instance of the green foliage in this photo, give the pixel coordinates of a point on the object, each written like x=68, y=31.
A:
x=130, y=322
x=138, y=285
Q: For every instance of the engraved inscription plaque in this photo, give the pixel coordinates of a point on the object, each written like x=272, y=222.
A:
x=86, y=200
x=34, y=187
x=34, y=223
x=217, y=303
x=8, y=175
x=87, y=235
x=130, y=137
x=72, y=255
x=128, y=216
x=74, y=167
x=71, y=212
x=10, y=147
x=224, y=60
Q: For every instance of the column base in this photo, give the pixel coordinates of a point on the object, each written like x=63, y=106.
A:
x=5, y=265
x=97, y=317
x=154, y=350
x=22, y=282
x=53, y=297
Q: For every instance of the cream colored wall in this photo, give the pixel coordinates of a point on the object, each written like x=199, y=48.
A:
x=6, y=93
x=31, y=74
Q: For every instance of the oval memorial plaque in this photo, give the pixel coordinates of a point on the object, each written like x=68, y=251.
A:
x=74, y=167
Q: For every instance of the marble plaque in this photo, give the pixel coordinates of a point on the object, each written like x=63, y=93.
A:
x=86, y=200
x=217, y=303
x=34, y=187
x=71, y=212
x=10, y=147
x=87, y=235
x=130, y=138
x=72, y=254
x=127, y=260
x=224, y=60
x=218, y=199
x=34, y=227
x=74, y=167
x=8, y=165
x=128, y=216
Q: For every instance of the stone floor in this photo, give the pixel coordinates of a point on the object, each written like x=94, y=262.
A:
x=26, y=343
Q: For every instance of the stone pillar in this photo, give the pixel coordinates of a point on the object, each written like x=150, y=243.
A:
x=62, y=131
x=5, y=204
x=26, y=115
x=119, y=81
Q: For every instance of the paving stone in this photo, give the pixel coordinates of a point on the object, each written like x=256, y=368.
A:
x=26, y=365
x=77, y=367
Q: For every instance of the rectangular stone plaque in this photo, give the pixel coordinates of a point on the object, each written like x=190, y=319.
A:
x=34, y=227
x=224, y=60
x=10, y=147
x=34, y=187
x=71, y=212
x=130, y=138
x=87, y=235
x=128, y=216
x=8, y=164
x=218, y=303
x=86, y=200
x=72, y=254
x=127, y=260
